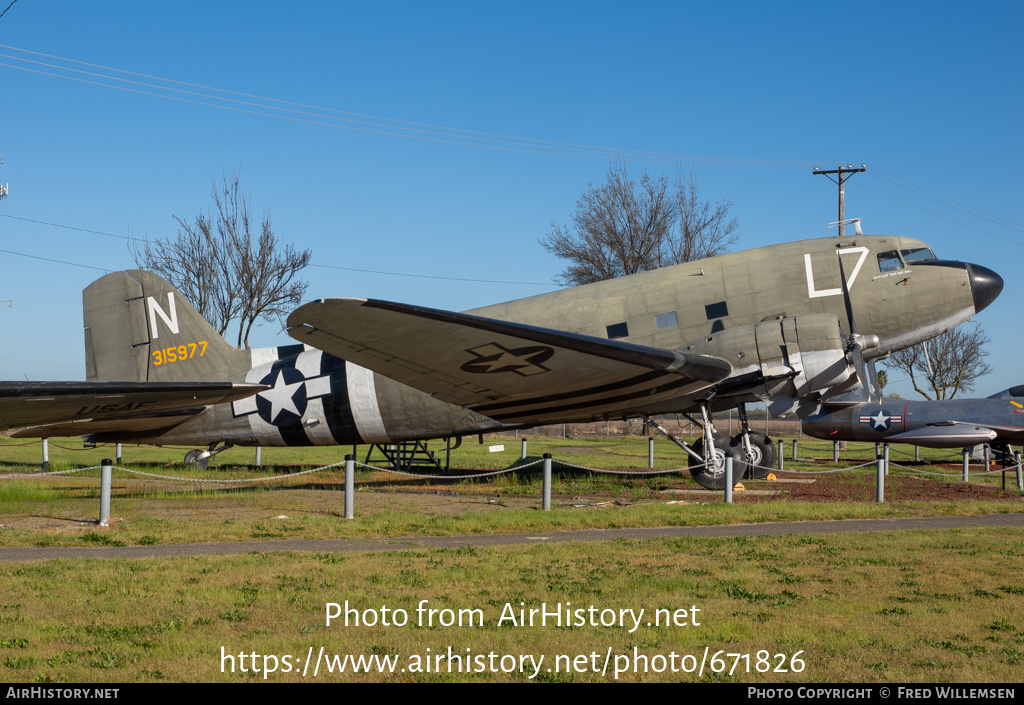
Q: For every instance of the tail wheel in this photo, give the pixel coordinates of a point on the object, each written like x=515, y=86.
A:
x=763, y=456
x=191, y=458
x=712, y=474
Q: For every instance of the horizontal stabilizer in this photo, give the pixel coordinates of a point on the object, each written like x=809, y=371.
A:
x=508, y=371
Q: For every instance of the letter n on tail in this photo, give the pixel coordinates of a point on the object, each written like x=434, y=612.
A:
x=155, y=310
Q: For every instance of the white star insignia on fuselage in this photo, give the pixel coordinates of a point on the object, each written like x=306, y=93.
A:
x=281, y=396
x=880, y=420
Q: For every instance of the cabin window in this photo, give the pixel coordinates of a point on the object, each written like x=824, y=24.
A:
x=719, y=310
x=889, y=261
x=618, y=330
x=917, y=254
x=666, y=320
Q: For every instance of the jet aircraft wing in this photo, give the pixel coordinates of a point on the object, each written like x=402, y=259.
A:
x=30, y=403
x=512, y=372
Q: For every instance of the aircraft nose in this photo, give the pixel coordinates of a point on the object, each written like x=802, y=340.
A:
x=985, y=285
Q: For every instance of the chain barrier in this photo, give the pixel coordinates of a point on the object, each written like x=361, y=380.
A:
x=229, y=481
x=447, y=477
x=952, y=474
x=623, y=472
x=52, y=472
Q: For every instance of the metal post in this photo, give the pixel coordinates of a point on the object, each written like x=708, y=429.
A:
x=350, y=486
x=650, y=452
x=835, y=452
x=259, y=456
x=794, y=450
x=46, y=454
x=1020, y=479
x=917, y=454
x=886, y=445
x=880, y=479
x=547, y=482
x=522, y=453
x=118, y=453
x=878, y=449
x=728, y=478
x=966, y=461
x=105, y=492
x=987, y=454
x=780, y=453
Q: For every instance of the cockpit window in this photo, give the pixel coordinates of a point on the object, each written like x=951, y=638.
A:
x=889, y=261
x=918, y=254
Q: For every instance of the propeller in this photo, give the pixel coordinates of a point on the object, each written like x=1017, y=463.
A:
x=856, y=343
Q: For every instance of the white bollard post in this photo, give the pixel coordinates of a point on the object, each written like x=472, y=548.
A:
x=887, y=459
x=105, y=492
x=880, y=479
x=119, y=461
x=650, y=452
x=46, y=454
x=522, y=454
x=967, y=457
x=728, y=478
x=350, y=486
x=780, y=454
x=259, y=456
x=547, y=482
x=1020, y=478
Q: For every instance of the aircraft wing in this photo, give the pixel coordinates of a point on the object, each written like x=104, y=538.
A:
x=30, y=403
x=511, y=372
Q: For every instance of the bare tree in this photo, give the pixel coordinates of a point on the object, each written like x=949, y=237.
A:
x=705, y=229
x=625, y=226
x=225, y=271
x=947, y=364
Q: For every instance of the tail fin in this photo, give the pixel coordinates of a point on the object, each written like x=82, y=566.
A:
x=140, y=328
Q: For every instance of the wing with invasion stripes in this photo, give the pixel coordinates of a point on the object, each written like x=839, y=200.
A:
x=511, y=372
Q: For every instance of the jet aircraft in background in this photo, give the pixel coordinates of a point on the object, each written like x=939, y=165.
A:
x=696, y=338
x=945, y=423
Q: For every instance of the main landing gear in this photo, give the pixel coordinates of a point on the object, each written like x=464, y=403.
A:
x=757, y=449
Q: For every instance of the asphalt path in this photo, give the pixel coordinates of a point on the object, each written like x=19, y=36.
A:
x=34, y=553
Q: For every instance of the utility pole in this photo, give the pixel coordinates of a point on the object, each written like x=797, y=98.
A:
x=842, y=173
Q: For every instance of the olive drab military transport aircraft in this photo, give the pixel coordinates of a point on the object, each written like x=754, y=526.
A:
x=773, y=324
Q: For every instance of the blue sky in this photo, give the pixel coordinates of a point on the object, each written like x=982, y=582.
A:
x=931, y=93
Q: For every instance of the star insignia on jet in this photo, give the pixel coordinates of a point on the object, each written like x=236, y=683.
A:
x=493, y=358
x=881, y=421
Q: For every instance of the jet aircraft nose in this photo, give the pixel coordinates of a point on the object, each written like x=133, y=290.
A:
x=985, y=285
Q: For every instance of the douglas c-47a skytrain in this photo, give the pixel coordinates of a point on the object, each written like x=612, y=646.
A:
x=767, y=324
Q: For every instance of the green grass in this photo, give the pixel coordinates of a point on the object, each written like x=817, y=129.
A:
x=59, y=509
x=895, y=607
x=941, y=606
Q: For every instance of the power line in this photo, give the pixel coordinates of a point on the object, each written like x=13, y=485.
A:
x=325, y=266
x=361, y=122
x=937, y=215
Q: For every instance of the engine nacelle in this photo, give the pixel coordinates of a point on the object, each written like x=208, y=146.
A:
x=789, y=363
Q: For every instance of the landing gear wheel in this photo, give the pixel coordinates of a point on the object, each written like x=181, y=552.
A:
x=712, y=474
x=763, y=457
x=191, y=458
